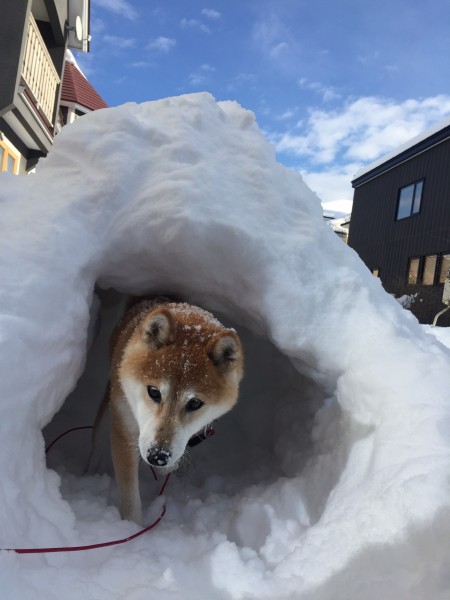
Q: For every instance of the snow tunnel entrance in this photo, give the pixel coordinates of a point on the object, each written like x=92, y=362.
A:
x=204, y=209
x=273, y=434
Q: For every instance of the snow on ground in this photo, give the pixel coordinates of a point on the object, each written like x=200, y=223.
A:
x=440, y=333
x=407, y=300
x=330, y=479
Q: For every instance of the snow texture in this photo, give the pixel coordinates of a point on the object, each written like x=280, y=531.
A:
x=407, y=300
x=329, y=480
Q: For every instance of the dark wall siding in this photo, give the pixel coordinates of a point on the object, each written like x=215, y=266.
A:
x=383, y=242
x=57, y=12
x=13, y=20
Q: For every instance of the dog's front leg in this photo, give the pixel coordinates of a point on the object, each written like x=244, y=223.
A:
x=126, y=462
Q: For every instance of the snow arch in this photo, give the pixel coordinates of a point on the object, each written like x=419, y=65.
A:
x=184, y=196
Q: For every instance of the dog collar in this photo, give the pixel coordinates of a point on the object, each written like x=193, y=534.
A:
x=200, y=437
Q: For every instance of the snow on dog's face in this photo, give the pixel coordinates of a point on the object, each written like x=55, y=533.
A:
x=180, y=370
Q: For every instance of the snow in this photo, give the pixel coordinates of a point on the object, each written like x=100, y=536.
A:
x=407, y=300
x=340, y=208
x=70, y=58
x=440, y=333
x=330, y=479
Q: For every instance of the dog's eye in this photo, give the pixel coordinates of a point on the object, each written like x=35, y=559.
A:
x=154, y=393
x=194, y=404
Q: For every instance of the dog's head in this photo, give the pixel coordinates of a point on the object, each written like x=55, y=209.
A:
x=180, y=370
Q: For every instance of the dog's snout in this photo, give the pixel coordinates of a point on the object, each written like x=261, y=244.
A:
x=158, y=456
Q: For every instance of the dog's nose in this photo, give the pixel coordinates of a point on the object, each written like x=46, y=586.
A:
x=158, y=456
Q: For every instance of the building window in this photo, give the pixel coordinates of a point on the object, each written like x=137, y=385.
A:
x=445, y=266
x=8, y=160
x=376, y=272
x=429, y=269
x=413, y=270
x=409, y=200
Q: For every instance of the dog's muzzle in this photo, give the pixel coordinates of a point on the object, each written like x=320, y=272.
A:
x=158, y=456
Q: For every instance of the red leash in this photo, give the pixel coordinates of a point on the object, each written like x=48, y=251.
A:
x=101, y=544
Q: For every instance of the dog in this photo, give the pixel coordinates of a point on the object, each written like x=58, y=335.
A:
x=174, y=369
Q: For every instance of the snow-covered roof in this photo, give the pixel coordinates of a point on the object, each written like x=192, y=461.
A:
x=415, y=145
x=329, y=478
x=345, y=220
x=338, y=228
x=337, y=224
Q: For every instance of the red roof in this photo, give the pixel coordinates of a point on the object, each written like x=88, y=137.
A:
x=76, y=88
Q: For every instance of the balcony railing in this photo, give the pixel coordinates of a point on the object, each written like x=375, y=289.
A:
x=39, y=74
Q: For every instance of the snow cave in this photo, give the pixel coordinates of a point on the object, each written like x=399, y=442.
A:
x=330, y=479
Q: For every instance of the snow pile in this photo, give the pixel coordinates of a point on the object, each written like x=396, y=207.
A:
x=407, y=300
x=330, y=478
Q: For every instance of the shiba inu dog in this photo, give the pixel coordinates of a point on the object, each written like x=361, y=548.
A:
x=174, y=369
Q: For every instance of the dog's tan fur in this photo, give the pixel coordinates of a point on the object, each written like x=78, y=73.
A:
x=184, y=352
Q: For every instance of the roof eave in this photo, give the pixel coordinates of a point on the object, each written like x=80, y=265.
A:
x=422, y=146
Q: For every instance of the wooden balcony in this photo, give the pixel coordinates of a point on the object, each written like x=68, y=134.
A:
x=39, y=75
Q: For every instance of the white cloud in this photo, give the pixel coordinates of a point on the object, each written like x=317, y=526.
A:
x=333, y=145
x=194, y=24
x=332, y=185
x=286, y=115
x=328, y=93
x=140, y=64
x=367, y=59
x=247, y=80
x=362, y=130
x=393, y=69
x=201, y=76
x=268, y=34
x=277, y=50
x=120, y=7
x=196, y=79
x=275, y=41
x=210, y=13
x=119, y=42
x=162, y=44
x=98, y=26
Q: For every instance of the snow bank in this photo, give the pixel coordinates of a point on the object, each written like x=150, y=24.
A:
x=407, y=300
x=329, y=480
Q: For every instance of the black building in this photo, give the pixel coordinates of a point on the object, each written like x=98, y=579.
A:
x=401, y=220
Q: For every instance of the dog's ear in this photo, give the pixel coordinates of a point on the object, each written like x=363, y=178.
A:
x=225, y=349
x=160, y=328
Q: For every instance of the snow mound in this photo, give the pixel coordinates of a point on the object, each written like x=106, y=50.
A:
x=330, y=478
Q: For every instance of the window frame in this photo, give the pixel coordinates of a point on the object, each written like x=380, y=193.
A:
x=441, y=276
x=419, y=266
x=424, y=267
x=412, y=212
x=8, y=153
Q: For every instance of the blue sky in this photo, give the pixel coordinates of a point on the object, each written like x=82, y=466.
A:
x=333, y=84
